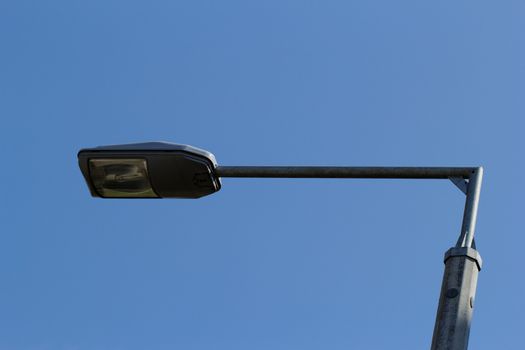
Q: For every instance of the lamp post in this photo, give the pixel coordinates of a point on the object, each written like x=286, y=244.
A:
x=166, y=170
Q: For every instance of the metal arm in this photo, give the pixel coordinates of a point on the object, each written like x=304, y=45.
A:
x=470, y=213
x=462, y=262
x=471, y=174
x=344, y=172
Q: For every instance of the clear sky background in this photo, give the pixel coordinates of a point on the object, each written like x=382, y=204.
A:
x=263, y=264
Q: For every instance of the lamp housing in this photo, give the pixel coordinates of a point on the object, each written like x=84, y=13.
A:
x=149, y=170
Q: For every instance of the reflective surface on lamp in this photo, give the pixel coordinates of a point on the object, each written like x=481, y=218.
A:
x=121, y=178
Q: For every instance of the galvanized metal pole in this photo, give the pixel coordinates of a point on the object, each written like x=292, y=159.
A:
x=456, y=302
x=458, y=290
x=470, y=213
x=462, y=262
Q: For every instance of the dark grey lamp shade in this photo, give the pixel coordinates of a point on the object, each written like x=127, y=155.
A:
x=149, y=170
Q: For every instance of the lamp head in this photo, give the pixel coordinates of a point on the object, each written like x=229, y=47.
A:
x=149, y=170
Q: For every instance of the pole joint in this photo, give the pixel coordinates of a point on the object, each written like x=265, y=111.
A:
x=468, y=227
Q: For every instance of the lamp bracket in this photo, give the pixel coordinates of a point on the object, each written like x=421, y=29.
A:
x=460, y=183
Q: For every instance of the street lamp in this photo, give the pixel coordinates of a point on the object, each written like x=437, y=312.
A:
x=166, y=170
x=149, y=170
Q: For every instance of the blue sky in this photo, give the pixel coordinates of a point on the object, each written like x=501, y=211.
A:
x=263, y=264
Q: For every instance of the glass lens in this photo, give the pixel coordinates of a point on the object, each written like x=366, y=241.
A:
x=121, y=177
